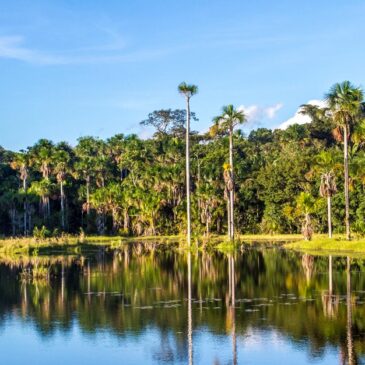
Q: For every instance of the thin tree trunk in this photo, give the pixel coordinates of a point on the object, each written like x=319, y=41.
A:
x=329, y=211
x=126, y=221
x=62, y=206
x=188, y=171
x=25, y=206
x=88, y=195
x=198, y=181
x=231, y=192
x=346, y=167
x=115, y=222
x=48, y=208
x=12, y=217
x=228, y=218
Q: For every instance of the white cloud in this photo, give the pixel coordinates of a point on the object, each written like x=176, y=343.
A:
x=14, y=47
x=256, y=113
x=272, y=110
x=299, y=118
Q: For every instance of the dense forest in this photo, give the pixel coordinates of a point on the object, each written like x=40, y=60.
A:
x=130, y=186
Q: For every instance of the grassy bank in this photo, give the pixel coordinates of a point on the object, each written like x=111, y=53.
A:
x=70, y=244
x=325, y=244
x=74, y=244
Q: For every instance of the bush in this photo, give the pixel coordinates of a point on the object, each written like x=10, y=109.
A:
x=41, y=233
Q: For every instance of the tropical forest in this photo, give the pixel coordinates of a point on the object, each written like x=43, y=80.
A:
x=305, y=178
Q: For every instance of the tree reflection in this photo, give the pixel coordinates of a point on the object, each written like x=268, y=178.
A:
x=351, y=355
x=232, y=306
x=127, y=294
x=190, y=315
x=329, y=300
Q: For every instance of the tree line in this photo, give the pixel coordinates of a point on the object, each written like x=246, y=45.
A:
x=302, y=179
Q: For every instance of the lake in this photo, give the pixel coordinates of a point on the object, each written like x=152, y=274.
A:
x=153, y=305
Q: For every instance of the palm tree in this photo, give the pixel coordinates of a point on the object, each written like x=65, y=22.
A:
x=306, y=206
x=188, y=91
x=345, y=103
x=41, y=157
x=61, y=162
x=21, y=163
x=327, y=189
x=43, y=189
x=326, y=164
x=86, y=152
x=226, y=122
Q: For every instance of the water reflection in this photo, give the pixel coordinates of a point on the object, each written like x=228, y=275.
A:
x=330, y=300
x=232, y=306
x=351, y=355
x=190, y=315
x=194, y=308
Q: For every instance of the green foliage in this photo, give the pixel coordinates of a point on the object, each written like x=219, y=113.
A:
x=41, y=233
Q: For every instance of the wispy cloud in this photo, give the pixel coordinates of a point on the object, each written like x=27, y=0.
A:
x=14, y=47
x=11, y=47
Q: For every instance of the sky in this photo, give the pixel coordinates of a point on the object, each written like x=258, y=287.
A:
x=75, y=68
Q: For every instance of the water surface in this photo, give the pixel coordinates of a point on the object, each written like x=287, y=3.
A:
x=138, y=305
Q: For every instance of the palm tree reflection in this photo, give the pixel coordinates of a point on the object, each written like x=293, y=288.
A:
x=329, y=300
x=190, y=319
x=233, y=309
x=352, y=360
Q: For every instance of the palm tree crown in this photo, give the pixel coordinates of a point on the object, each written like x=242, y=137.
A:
x=187, y=90
x=229, y=118
x=345, y=102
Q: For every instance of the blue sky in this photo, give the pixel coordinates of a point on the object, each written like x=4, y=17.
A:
x=74, y=68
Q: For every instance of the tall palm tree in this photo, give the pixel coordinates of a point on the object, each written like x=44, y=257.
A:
x=345, y=103
x=188, y=91
x=226, y=122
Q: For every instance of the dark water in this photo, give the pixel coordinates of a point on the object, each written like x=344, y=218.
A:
x=141, y=306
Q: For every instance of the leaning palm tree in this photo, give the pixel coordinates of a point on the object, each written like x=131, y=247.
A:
x=188, y=91
x=345, y=103
x=225, y=123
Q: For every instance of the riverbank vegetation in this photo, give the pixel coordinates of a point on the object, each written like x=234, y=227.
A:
x=325, y=244
x=72, y=243
x=302, y=179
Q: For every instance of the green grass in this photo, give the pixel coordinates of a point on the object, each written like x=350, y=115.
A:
x=270, y=237
x=323, y=243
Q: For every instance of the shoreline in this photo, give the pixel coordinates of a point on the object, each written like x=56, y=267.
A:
x=318, y=245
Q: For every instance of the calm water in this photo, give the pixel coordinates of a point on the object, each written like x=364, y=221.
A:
x=137, y=306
